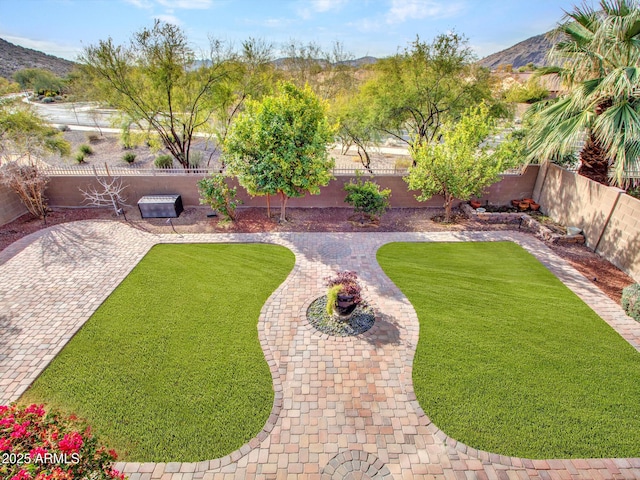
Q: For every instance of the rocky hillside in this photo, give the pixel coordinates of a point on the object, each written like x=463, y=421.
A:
x=532, y=50
x=14, y=58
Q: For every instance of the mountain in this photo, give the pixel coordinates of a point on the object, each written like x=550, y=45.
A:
x=357, y=63
x=532, y=50
x=14, y=58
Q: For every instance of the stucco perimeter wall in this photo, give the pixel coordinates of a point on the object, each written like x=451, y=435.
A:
x=609, y=218
x=10, y=205
x=64, y=191
x=620, y=242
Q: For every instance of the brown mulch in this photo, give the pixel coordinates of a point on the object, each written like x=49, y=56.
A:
x=251, y=220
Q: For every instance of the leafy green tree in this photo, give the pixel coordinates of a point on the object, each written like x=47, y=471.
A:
x=328, y=73
x=462, y=165
x=414, y=92
x=355, y=126
x=251, y=75
x=599, y=54
x=7, y=86
x=41, y=81
x=215, y=192
x=530, y=92
x=157, y=82
x=367, y=198
x=24, y=137
x=279, y=145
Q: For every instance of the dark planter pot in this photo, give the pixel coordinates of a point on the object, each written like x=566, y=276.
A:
x=475, y=204
x=345, y=305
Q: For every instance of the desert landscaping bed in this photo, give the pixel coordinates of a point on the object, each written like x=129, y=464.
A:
x=251, y=220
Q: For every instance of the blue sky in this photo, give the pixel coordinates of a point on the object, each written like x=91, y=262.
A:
x=365, y=27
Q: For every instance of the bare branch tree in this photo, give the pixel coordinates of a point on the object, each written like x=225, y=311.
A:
x=29, y=183
x=109, y=193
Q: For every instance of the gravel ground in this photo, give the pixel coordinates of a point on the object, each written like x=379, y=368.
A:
x=108, y=149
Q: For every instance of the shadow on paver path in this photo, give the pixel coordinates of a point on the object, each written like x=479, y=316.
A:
x=344, y=407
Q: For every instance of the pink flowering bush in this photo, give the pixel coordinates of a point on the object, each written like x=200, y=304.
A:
x=40, y=445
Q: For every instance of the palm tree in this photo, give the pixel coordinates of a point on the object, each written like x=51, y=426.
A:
x=599, y=56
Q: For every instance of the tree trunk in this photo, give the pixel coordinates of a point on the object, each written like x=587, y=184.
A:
x=283, y=206
x=268, y=206
x=448, y=200
x=594, y=163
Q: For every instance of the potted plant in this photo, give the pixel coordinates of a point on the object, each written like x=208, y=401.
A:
x=344, y=294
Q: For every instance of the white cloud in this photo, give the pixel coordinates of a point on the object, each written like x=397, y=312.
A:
x=146, y=4
x=319, y=6
x=180, y=4
x=327, y=5
x=276, y=22
x=168, y=18
x=403, y=10
x=187, y=4
x=52, y=48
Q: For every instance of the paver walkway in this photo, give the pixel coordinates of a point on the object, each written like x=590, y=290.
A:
x=344, y=407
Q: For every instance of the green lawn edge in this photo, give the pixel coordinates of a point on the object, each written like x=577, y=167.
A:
x=170, y=367
x=510, y=360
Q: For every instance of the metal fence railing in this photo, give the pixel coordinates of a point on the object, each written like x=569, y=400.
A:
x=118, y=171
x=109, y=170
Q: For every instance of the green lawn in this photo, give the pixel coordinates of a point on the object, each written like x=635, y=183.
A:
x=170, y=367
x=510, y=360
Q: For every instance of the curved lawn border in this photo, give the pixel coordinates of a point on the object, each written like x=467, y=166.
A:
x=177, y=349
x=438, y=401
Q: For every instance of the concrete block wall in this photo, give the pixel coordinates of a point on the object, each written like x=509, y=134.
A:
x=10, y=205
x=574, y=200
x=609, y=218
x=64, y=191
x=620, y=242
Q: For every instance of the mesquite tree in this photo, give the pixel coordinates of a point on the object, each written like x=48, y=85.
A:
x=158, y=84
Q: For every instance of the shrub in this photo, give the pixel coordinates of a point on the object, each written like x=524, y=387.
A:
x=163, y=161
x=28, y=182
x=63, y=128
x=634, y=191
x=92, y=137
x=332, y=298
x=348, y=283
x=195, y=159
x=366, y=197
x=530, y=92
x=129, y=157
x=85, y=149
x=80, y=158
x=402, y=163
x=215, y=192
x=631, y=301
x=42, y=445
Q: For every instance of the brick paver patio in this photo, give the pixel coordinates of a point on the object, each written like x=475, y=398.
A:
x=344, y=407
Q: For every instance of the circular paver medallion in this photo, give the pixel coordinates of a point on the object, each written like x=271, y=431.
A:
x=361, y=320
x=355, y=465
x=334, y=250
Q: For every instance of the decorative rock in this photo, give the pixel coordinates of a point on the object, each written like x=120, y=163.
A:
x=359, y=321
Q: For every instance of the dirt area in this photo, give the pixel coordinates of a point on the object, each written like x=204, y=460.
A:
x=194, y=220
x=107, y=149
